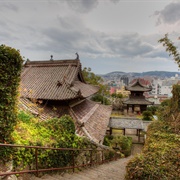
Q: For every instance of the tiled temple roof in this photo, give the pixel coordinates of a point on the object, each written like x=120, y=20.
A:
x=94, y=118
x=54, y=80
x=137, y=86
x=138, y=102
x=126, y=123
x=91, y=118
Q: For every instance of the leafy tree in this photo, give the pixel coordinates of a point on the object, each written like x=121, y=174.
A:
x=90, y=77
x=10, y=70
x=152, y=109
x=171, y=48
x=147, y=115
x=93, y=79
x=172, y=111
x=101, y=98
x=166, y=102
x=115, y=95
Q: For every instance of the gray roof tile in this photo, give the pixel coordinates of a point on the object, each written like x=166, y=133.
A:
x=54, y=80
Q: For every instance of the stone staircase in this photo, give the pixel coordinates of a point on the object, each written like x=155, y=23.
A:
x=110, y=171
x=114, y=170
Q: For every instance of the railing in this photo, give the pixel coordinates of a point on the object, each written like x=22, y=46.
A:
x=90, y=157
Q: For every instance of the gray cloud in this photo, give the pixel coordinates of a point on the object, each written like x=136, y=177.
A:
x=170, y=14
x=68, y=38
x=7, y=5
x=82, y=6
x=128, y=45
x=115, y=1
x=85, y=6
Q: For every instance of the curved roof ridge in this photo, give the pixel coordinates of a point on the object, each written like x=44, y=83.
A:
x=138, y=86
x=51, y=62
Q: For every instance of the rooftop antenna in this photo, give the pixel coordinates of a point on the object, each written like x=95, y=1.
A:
x=51, y=58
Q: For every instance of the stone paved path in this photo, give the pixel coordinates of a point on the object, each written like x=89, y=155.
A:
x=110, y=171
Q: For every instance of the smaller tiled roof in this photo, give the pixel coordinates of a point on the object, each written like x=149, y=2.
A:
x=54, y=80
x=91, y=118
x=126, y=123
x=138, y=86
x=94, y=118
x=29, y=106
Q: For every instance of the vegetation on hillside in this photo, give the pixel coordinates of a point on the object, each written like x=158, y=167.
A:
x=10, y=69
x=160, y=158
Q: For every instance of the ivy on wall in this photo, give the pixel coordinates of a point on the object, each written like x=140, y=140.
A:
x=10, y=68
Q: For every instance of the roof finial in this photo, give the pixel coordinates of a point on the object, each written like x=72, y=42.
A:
x=77, y=55
x=51, y=58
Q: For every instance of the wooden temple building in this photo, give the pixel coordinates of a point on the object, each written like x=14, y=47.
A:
x=137, y=100
x=56, y=87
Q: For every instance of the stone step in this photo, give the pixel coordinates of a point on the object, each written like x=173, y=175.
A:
x=114, y=170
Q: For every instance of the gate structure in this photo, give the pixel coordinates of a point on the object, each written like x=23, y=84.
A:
x=126, y=123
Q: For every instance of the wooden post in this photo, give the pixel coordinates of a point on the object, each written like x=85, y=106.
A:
x=110, y=131
x=137, y=132
x=73, y=161
x=36, y=157
x=91, y=157
x=132, y=108
x=124, y=131
x=139, y=135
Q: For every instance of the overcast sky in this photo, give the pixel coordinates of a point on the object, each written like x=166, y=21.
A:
x=109, y=35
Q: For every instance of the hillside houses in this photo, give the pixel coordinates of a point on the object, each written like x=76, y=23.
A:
x=56, y=87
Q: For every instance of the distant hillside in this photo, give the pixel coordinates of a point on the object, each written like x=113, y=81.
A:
x=160, y=74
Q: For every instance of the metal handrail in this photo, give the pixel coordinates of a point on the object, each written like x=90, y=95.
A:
x=73, y=166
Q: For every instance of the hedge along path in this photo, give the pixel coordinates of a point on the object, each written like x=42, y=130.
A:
x=114, y=170
x=10, y=69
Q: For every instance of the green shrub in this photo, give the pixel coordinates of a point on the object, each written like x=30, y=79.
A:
x=10, y=70
x=24, y=117
x=161, y=155
x=147, y=115
x=122, y=143
x=152, y=109
x=107, y=140
x=100, y=98
x=56, y=132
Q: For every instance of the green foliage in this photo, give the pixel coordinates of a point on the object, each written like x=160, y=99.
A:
x=56, y=132
x=175, y=100
x=170, y=112
x=61, y=125
x=114, y=95
x=122, y=143
x=10, y=69
x=165, y=103
x=90, y=77
x=171, y=48
x=161, y=155
x=24, y=117
x=152, y=109
x=147, y=115
x=93, y=79
x=101, y=98
x=107, y=140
